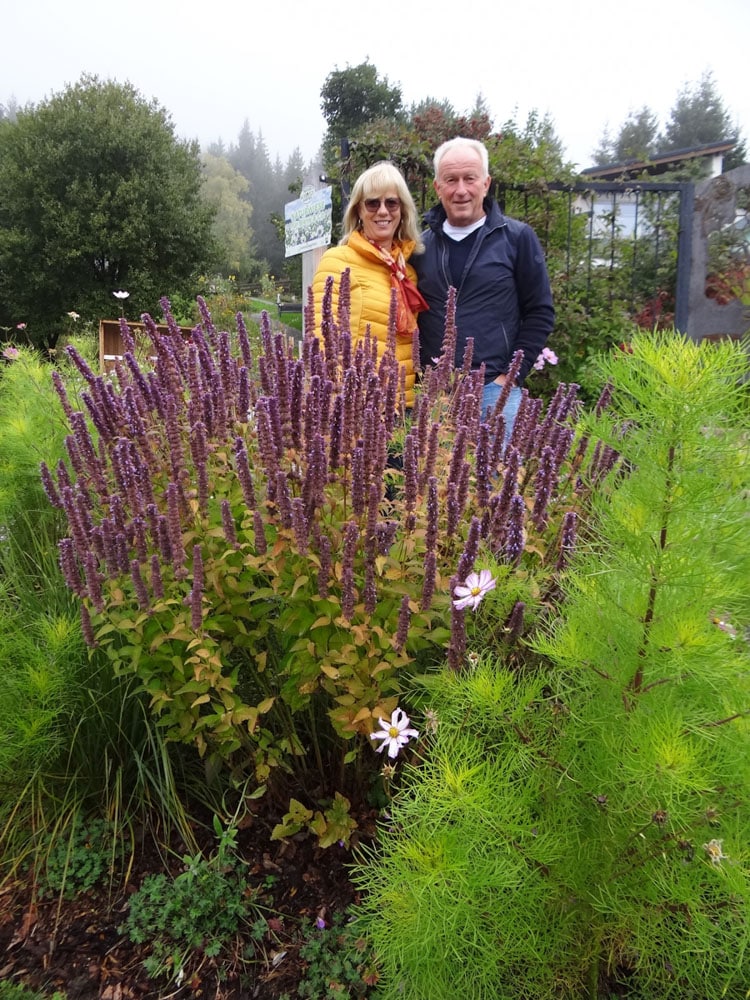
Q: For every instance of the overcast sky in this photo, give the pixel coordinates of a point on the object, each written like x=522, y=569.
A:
x=215, y=65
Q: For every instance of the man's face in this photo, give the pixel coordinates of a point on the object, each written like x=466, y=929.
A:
x=461, y=185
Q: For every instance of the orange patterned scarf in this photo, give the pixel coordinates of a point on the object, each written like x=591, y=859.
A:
x=408, y=299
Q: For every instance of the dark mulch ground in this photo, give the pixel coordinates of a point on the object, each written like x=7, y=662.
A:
x=76, y=946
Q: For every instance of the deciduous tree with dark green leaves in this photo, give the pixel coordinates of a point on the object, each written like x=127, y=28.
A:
x=97, y=194
x=352, y=97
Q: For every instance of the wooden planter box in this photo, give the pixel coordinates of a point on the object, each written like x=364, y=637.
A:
x=111, y=348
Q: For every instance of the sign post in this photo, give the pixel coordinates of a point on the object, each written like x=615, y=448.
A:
x=307, y=230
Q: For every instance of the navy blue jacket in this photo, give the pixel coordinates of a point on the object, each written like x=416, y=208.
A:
x=503, y=299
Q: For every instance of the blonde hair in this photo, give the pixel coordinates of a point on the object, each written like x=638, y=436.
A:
x=374, y=183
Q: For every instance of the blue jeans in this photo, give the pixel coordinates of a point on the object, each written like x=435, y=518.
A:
x=490, y=396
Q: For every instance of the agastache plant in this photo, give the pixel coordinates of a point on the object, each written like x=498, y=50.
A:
x=233, y=542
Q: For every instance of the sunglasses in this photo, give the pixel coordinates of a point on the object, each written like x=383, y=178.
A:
x=373, y=204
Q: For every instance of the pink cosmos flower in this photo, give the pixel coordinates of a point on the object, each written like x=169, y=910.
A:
x=11, y=353
x=394, y=734
x=469, y=593
x=547, y=357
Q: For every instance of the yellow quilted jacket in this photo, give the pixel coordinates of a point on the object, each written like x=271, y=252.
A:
x=370, y=296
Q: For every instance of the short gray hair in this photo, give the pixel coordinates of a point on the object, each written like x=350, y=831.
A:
x=462, y=143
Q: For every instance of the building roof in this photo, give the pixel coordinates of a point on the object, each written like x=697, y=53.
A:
x=660, y=163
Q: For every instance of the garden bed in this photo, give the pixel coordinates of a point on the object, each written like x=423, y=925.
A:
x=78, y=946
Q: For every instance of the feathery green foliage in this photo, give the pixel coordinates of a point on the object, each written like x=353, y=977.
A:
x=585, y=825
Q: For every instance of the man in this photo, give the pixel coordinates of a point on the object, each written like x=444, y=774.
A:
x=497, y=267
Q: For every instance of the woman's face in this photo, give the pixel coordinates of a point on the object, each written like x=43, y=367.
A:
x=381, y=217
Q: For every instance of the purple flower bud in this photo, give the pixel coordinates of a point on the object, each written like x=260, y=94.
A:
x=457, y=645
x=453, y=509
x=410, y=473
x=109, y=544
x=49, y=487
x=139, y=536
x=358, y=480
x=63, y=477
x=165, y=546
x=351, y=537
x=87, y=628
x=69, y=566
x=568, y=534
x=459, y=451
x=369, y=591
x=243, y=396
x=174, y=438
x=123, y=554
x=74, y=522
x=431, y=456
x=80, y=364
x=261, y=546
x=157, y=586
x=605, y=398
x=404, y=618
x=514, y=625
x=433, y=513
x=243, y=473
x=139, y=586
x=300, y=525
x=324, y=569
x=244, y=341
x=428, y=581
x=515, y=537
x=175, y=532
x=471, y=548
x=385, y=533
x=334, y=456
x=62, y=393
x=482, y=459
x=93, y=580
x=544, y=485
x=227, y=521
x=313, y=487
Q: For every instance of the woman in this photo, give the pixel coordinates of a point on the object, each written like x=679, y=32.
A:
x=380, y=234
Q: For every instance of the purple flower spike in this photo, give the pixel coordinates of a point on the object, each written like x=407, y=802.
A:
x=139, y=586
x=227, y=521
x=404, y=617
x=157, y=586
x=49, y=487
x=196, y=596
x=515, y=537
x=87, y=628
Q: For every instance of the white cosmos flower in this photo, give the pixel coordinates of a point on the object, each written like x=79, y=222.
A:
x=469, y=593
x=121, y=295
x=715, y=851
x=394, y=734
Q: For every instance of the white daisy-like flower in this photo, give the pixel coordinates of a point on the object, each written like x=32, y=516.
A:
x=470, y=593
x=121, y=295
x=394, y=734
